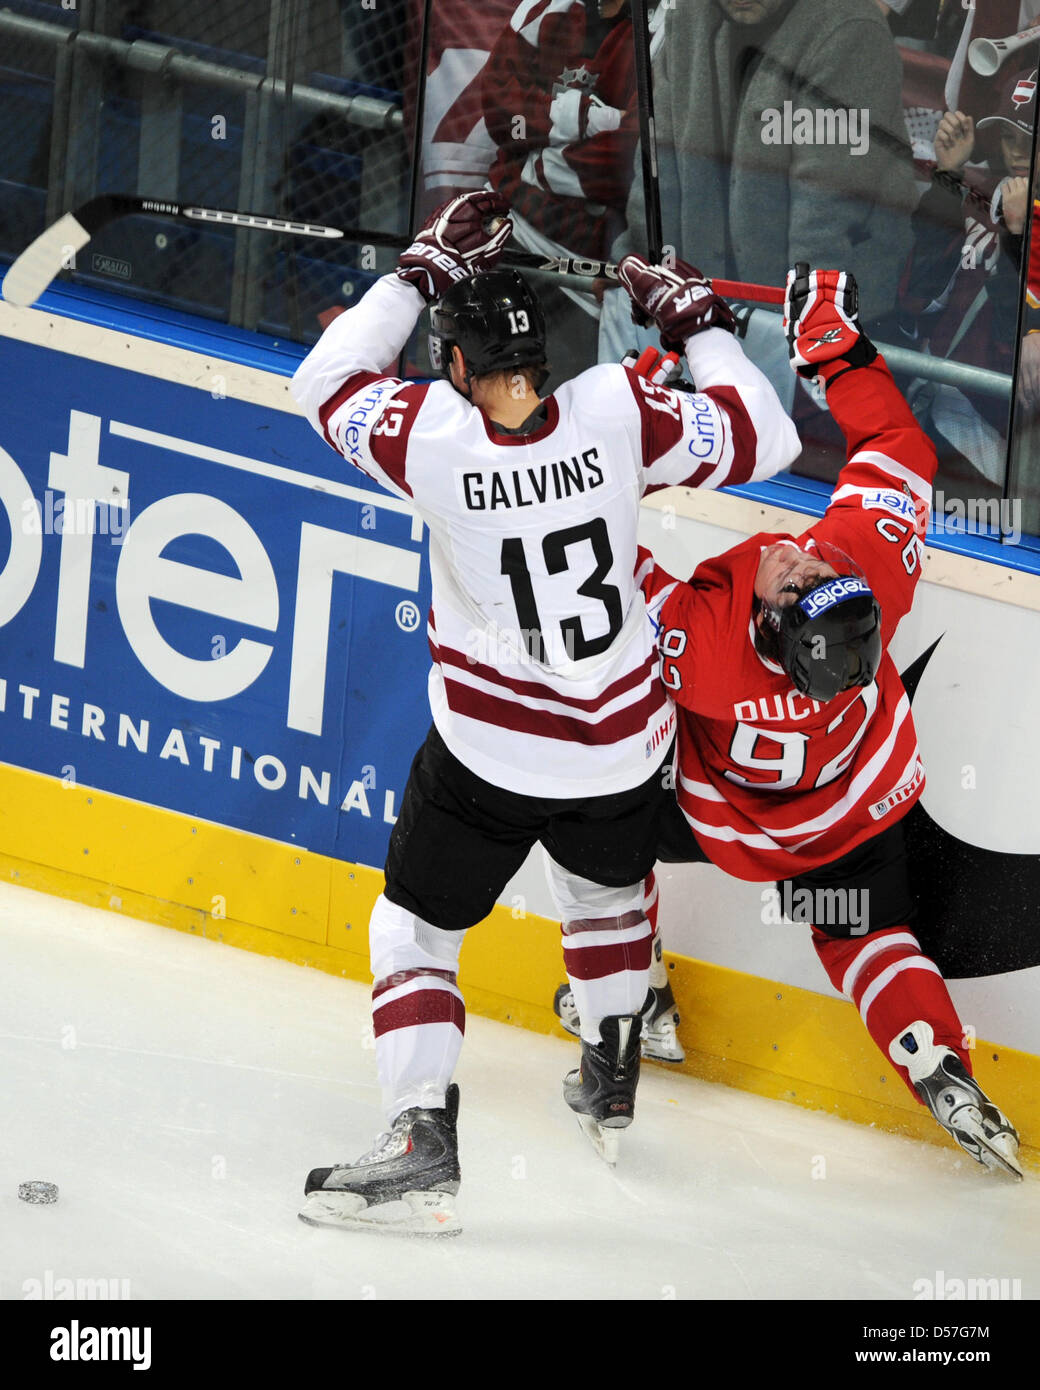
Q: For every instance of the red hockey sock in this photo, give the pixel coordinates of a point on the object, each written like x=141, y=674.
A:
x=892, y=983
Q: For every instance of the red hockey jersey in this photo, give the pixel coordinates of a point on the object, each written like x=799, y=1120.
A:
x=774, y=783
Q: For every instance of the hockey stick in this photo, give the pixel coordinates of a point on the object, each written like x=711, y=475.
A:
x=54, y=250
x=647, y=131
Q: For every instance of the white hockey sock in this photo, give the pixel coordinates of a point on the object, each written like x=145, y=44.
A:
x=418, y=1013
x=607, y=945
x=608, y=964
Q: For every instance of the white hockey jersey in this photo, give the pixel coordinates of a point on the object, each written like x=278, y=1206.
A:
x=544, y=677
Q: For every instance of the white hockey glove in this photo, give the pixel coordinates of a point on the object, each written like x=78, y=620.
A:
x=680, y=301
x=464, y=236
x=821, y=320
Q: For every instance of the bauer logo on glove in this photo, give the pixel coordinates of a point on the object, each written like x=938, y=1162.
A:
x=821, y=321
x=678, y=299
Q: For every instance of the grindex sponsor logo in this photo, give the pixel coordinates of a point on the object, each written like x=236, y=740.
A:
x=705, y=442
x=363, y=412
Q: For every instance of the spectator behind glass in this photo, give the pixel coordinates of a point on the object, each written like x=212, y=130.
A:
x=781, y=137
x=924, y=49
x=1014, y=211
x=967, y=90
x=962, y=287
x=1015, y=222
x=457, y=150
x=559, y=100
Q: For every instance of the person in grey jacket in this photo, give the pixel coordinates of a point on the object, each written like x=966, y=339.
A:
x=780, y=137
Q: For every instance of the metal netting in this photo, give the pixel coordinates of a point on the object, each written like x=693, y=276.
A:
x=306, y=109
x=279, y=107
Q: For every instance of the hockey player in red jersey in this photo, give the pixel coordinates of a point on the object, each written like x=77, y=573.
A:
x=797, y=754
x=549, y=722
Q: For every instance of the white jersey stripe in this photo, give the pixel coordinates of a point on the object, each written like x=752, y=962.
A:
x=547, y=704
x=857, y=787
x=727, y=834
x=869, y=950
x=413, y=986
x=920, y=485
x=578, y=941
x=887, y=976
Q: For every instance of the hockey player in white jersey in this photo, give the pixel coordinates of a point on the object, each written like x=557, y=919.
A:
x=549, y=722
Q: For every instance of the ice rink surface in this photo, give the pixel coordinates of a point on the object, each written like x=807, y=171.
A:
x=178, y=1091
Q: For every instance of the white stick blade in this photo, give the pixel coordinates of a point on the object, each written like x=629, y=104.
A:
x=43, y=260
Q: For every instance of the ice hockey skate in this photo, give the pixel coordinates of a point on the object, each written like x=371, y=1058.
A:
x=660, y=1020
x=407, y=1183
x=602, y=1091
x=956, y=1100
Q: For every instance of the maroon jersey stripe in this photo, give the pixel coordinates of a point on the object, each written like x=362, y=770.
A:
x=597, y=962
x=386, y=436
x=390, y=450
x=423, y=1006
x=448, y=656
x=661, y=429
x=506, y=714
x=401, y=977
x=745, y=436
x=350, y=387
x=575, y=925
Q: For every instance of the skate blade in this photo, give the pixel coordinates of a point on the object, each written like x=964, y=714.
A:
x=662, y=1049
x=606, y=1141
x=414, y=1214
x=999, y=1153
x=999, y=1159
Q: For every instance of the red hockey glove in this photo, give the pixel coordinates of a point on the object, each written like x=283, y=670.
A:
x=821, y=320
x=457, y=241
x=680, y=301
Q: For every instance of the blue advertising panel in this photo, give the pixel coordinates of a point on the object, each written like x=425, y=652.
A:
x=204, y=608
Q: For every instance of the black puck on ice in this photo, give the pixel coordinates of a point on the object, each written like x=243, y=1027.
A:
x=39, y=1192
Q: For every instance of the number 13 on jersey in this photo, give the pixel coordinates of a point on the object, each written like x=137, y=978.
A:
x=557, y=553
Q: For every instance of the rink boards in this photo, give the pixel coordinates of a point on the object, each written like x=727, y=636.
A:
x=212, y=682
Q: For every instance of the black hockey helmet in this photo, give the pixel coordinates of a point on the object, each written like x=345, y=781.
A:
x=829, y=639
x=494, y=319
